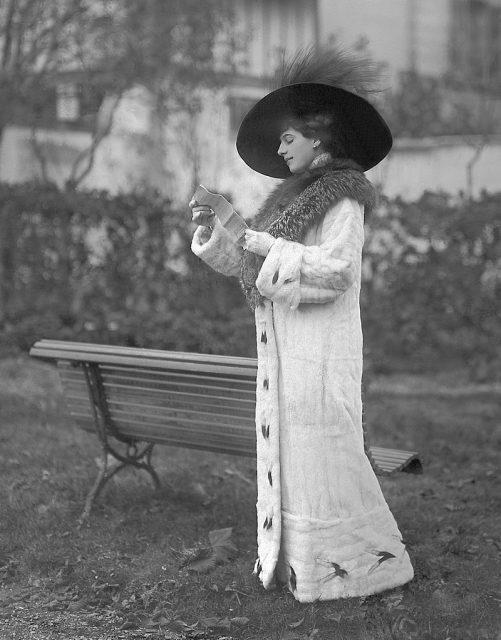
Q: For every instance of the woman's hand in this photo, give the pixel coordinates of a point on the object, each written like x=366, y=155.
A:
x=202, y=214
x=258, y=242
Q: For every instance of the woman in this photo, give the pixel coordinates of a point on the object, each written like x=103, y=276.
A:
x=324, y=527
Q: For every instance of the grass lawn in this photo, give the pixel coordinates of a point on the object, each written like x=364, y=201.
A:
x=120, y=576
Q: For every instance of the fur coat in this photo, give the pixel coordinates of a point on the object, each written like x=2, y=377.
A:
x=324, y=527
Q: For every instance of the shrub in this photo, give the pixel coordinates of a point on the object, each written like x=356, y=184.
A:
x=433, y=286
x=118, y=269
x=91, y=267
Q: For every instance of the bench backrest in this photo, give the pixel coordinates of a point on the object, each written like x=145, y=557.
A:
x=182, y=399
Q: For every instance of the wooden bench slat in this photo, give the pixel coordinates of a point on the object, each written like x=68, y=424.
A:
x=152, y=396
x=240, y=367
x=163, y=389
x=47, y=348
x=160, y=436
x=172, y=369
x=189, y=423
x=187, y=426
x=219, y=448
x=211, y=410
x=204, y=425
x=173, y=397
x=390, y=457
x=381, y=451
x=178, y=377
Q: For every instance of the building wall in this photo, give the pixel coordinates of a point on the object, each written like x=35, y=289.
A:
x=438, y=164
x=403, y=34
x=174, y=158
x=413, y=166
x=432, y=29
x=129, y=158
x=274, y=26
x=381, y=23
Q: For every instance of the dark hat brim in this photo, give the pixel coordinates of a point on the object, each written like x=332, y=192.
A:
x=366, y=136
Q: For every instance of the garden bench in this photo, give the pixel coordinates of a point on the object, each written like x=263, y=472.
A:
x=136, y=398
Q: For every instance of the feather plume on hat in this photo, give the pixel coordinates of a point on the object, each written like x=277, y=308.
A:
x=333, y=81
x=335, y=67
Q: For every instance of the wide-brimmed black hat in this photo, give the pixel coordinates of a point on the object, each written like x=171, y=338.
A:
x=316, y=82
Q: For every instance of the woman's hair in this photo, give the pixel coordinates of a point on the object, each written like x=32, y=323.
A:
x=323, y=127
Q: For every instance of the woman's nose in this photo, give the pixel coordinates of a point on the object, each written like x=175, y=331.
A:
x=281, y=149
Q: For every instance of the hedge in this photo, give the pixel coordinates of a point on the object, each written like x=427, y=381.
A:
x=118, y=269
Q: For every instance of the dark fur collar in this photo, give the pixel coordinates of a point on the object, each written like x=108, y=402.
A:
x=297, y=204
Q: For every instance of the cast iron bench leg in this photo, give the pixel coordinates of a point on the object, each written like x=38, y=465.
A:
x=133, y=458
x=102, y=478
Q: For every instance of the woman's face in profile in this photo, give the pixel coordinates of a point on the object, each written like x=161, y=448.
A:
x=297, y=150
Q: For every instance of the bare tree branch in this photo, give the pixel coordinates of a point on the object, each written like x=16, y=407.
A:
x=108, y=48
x=7, y=34
x=87, y=156
x=39, y=154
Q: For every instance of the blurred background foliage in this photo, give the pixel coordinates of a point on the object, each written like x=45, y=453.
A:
x=118, y=269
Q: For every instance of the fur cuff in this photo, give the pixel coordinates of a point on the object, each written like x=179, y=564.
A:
x=220, y=251
x=280, y=275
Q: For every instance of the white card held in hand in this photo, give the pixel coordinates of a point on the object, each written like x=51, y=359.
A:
x=228, y=217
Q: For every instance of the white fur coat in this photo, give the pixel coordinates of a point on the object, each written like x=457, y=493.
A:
x=324, y=527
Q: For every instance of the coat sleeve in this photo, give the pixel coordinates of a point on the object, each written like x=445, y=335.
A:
x=219, y=251
x=293, y=273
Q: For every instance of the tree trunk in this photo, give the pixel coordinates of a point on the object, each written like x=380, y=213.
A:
x=2, y=129
x=470, y=166
x=7, y=243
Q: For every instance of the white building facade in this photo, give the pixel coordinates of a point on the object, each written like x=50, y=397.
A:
x=174, y=156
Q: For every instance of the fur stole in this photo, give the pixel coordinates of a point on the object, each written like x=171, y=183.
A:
x=300, y=202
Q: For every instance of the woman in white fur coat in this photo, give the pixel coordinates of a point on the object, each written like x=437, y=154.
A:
x=324, y=527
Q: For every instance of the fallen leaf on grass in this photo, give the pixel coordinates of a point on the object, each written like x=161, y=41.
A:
x=203, y=559
x=76, y=606
x=184, y=626
x=333, y=616
x=155, y=622
x=233, y=589
x=203, y=562
x=239, y=621
x=459, y=484
x=222, y=544
x=392, y=600
x=405, y=628
x=216, y=623
x=128, y=624
x=295, y=625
